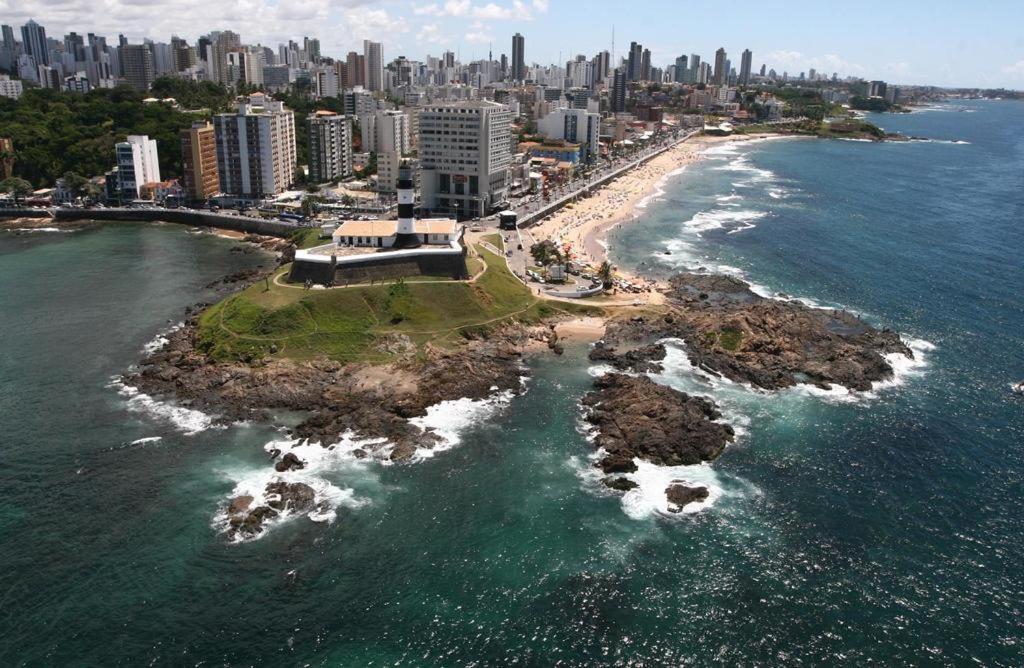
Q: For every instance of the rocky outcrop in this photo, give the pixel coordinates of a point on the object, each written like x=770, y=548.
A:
x=638, y=418
x=292, y=497
x=680, y=494
x=731, y=331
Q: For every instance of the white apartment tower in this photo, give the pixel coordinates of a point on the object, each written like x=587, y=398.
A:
x=137, y=164
x=256, y=148
x=373, y=54
x=330, y=146
x=392, y=143
x=465, y=155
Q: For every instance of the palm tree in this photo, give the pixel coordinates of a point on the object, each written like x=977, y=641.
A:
x=604, y=272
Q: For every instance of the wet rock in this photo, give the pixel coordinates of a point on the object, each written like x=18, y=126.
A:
x=679, y=495
x=292, y=496
x=619, y=483
x=637, y=417
x=617, y=463
x=288, y=463
x=239, y=504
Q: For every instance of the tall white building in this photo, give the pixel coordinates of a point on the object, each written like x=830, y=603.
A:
x=578, y=126
x=373, y=54
x=330, y=146
x=392, y=143
x=137, y=165
x=256, y=148
x=465, y=153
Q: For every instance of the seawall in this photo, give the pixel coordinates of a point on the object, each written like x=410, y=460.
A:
x=183, y=216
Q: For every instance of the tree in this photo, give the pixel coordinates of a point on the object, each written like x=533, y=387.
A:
x=546, y=252
x=309, y=204
x=18, y=188
x=75, y=184
x=604, y=272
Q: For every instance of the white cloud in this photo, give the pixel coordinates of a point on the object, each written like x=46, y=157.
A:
x=479, y=37
x=1015, y=69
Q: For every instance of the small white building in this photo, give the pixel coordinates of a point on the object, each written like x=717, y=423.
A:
x=382, y=233
x=137, y=164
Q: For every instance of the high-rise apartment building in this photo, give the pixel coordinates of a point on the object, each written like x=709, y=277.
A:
x=465, y=153
x=721, y=73
x=137, y=165
x=256, y=148
x=355, y=70
x=33, y=43
x=518, y=58
x=746, y=63
x=617, y=102
x=199, y=162
x=645, y=65
x=373, y=53
x=137, y=65
x=330, y=146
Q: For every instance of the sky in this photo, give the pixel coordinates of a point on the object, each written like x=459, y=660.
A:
x=942, y=43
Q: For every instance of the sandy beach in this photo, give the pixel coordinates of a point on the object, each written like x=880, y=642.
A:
x=585, y=224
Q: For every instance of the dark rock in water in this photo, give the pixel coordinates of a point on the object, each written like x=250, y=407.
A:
x=679, y=495
x=275, y=453
x=642, y=359
x=289, y=462
x=637, y=417
x=616, y=463
x=251, y=523
x=239, y=504
x=619, y=483
x=403, y=452
x=294, y=496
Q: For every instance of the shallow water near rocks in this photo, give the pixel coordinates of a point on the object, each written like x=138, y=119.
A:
x=886, y=528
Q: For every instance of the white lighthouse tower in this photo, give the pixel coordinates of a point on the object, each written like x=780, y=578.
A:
x=406, y=236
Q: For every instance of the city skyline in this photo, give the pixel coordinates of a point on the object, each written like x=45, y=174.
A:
x=892, y=43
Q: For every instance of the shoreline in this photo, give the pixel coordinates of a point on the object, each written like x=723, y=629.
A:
x=584, y=226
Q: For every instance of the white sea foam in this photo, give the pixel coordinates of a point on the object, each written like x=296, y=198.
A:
x=659, y=187
x=30, y=230
x=715, y=219
x=148, y=439
x=186, y=420
x=746, y=226
x=161, y=340
x=449, y=418
x=321, y=463
x=649, y=497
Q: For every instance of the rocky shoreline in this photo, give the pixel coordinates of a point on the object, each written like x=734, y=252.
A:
x=728, y=331
x=374, y=403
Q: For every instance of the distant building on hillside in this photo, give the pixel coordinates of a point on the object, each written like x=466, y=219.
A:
x=137, y=65
x=10, y=87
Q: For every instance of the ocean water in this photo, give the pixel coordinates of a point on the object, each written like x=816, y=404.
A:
x=881, y=528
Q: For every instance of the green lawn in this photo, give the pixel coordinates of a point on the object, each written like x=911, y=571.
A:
x=345, y=324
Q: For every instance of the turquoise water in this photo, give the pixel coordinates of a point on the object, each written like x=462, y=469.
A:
x=885, y=528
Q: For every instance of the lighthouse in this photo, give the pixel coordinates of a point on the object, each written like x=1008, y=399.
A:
x=406, y=235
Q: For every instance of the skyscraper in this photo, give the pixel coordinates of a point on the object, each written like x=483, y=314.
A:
x=693, y=76
x=645, y=65
x=681, y=70
x=33, y=42
x=721, y=73
x=137, y=65
x=618, y=98
x=373, y=53
x=745, y=64
x=518, y=58
x=633, y=62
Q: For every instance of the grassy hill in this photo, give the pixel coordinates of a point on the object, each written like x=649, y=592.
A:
x=351, y=324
